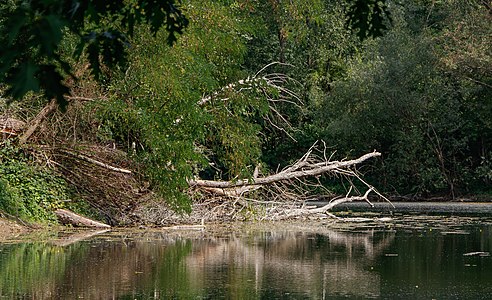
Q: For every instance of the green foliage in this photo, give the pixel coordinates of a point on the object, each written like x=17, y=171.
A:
x=9, y=201
x=399, y=99
x=313, y=38
x=232, y=140
x=26, y=190
x=418, y=92
x=155, y=103
x=369, y=17
x=31, y=33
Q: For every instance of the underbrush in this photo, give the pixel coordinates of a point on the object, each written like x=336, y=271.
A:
x=28, y=190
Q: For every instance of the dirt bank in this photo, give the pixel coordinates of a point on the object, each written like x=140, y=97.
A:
x=10, y=229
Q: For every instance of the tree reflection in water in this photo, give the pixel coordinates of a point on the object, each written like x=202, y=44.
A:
x=306, y=264
x=256, y=265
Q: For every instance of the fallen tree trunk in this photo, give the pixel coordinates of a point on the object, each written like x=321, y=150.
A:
x=288, y=174
x=68, y=217
x=285, y=194
x=36, y=121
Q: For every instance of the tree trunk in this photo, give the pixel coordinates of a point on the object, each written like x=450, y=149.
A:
x=68, y=217
x=287, y=174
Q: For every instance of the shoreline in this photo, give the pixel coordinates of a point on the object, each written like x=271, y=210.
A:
x=11, y=229
x=420, y=207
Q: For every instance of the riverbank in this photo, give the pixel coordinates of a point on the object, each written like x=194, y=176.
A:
x=11, y=229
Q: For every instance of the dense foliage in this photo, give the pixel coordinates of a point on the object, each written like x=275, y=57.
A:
x=410, y=79
x=29, y=191
x=31, y=33
x=403, y=95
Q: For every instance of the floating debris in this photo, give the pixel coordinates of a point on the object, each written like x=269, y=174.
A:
x=455, y=232
x=478, y=253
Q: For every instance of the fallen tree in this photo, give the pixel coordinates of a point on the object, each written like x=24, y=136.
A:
x=286, y=194
x=118, y=188
x=71, y=218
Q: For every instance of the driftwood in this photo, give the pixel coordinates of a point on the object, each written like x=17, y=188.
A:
x=71, y=218
x=200, y=227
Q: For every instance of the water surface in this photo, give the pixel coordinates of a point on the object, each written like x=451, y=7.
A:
x=421, y=258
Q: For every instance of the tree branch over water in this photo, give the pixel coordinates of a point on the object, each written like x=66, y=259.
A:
x=289, y=189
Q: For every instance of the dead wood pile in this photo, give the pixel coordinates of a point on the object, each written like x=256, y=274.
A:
x=102, y=177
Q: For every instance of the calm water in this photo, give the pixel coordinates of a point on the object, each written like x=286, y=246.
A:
x=395, y=261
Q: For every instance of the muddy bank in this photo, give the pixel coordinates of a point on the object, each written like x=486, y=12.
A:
x=10, y=229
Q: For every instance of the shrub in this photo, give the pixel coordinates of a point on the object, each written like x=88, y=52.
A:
x=27, y=190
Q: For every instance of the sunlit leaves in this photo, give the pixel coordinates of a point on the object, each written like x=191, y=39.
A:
x=159, y=97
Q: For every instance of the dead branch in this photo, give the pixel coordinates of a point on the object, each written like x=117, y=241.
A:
x=80, y=98
x=96, y=162
x=10, y=126
x=330, y=205
x=263, y=85
x=36, y=121
x=285, y=194
x=299, y=170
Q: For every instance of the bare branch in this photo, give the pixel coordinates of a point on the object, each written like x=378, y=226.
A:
x=288, y=191
x=96, y=162
x=36, y=121
x=307, y=171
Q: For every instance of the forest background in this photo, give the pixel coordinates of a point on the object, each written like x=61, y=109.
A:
x=245, y=87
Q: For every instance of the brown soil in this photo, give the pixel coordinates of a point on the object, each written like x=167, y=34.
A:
x=10, y=229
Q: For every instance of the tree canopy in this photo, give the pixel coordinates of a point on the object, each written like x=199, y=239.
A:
x=31, y=33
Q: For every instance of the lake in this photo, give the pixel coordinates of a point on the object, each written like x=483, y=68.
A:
x=408, y=257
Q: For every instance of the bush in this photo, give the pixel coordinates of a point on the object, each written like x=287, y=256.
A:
x=28, y=191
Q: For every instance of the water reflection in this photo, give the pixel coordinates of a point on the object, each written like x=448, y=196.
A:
x=328, y=264
x=296, y=264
